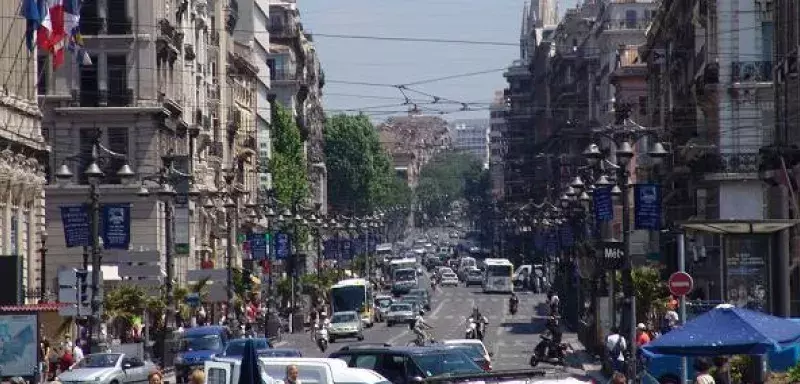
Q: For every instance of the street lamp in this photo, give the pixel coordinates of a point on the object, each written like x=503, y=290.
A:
x=95, y=175
x=628, y=132
x=167, y=178
x=42, y=266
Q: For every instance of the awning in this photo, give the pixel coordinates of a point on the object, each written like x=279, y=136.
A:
x=739, y=227
x=43, y=307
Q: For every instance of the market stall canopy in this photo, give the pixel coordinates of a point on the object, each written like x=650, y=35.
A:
x=728, y=331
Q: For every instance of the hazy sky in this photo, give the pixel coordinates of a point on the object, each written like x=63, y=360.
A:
x=402, y=62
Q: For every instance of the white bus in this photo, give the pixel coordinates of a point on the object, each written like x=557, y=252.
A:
x=404, y=263
x=354, y=295
x=498, y=275
x=384, y=252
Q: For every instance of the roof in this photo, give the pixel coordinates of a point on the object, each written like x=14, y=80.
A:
x=43, y=307
x=349, y=282
x=204, y=330
x=497, y=262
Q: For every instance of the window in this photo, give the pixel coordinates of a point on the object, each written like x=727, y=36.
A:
x=630, y=19
x=118, y=21
x=394, y=368
x=42, y=65
x=117, y=139
x=89, y=84
x=118, y=94
x=366, y=361
x=90, y=22
x=217, y=376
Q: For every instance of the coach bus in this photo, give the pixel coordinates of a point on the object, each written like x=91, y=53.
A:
x=498, y=275
x=354, y=295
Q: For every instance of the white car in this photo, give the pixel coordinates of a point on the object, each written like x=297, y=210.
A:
x=476, y=345
x=449, y=279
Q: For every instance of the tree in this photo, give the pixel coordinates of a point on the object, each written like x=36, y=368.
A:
x=360, y=175
x=288, y=164
x=449, y=177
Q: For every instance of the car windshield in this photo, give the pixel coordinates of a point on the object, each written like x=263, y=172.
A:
x=384, y=303
x=475, y=273
x=450, y=362
x=401, y=308
x=449, y=276
x=236, y=347
x=405, y=274
x=201, y=343
x=344, y=318
x=100, y=360
x=472, y=349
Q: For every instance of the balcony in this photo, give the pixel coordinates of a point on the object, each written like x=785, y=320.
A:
x=751, y=71
x=283, y=75
x=283, y=31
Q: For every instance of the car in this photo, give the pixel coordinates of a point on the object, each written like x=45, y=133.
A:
x=400, y=313
x=449, y=279
x=479, y=352
x=235, y=347
x=279, y=352
x=108, y=368
x=402, y=365
x=382, y=304
x=474, y=276
x=416, y=301
x=442, y=270
x=345, y=324
x=423, y=295
x=197, y=345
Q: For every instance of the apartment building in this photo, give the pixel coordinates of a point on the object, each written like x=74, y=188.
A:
x=471, y=136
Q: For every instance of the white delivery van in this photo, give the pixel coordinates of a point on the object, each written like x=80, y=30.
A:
x=225, y=370
x=311, y=371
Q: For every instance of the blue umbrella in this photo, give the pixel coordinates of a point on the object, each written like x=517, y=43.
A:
x=728, y=331
x=249, y=372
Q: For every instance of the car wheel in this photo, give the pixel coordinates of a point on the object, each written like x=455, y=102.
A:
x=360, y=337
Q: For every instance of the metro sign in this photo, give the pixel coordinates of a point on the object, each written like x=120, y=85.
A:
x=613, y=255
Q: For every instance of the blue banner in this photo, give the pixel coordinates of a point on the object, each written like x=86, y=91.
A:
x=282, y=246
x=357, y=244
x=258, y=245
x=116, y=225
x=330, y=246
x=551, y=242
x=647, y=206
x=346, y=248
x=75, y=219
x=566, y=235
x=538, y=240
x=603, y=204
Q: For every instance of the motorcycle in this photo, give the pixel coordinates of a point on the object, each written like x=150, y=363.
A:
x=547, y=351
x=474, y=330
x=322, y=338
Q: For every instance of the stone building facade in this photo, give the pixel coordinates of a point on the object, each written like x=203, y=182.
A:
x=22, y=160
x=165, y=79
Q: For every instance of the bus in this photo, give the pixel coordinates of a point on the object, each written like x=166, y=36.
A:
x=404, y=263
x=498, y=275
x=354, y=295
x=384, y=252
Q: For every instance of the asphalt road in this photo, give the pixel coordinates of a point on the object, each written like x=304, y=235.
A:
x=510, y=338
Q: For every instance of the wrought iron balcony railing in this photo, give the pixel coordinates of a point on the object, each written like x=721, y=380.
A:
x=738, y=162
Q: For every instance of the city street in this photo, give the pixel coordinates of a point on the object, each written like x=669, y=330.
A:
x=510, y=338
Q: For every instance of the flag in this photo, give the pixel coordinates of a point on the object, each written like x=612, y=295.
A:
x=72, y=18
x=31, y=11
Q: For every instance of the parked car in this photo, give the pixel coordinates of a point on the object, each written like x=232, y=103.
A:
x=449, y=279
x=344, y=325
x=400, y=313
x=474, y=277
x=106, y=368
x=197, y=346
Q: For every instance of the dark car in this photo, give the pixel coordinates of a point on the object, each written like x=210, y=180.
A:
x=279, y=352
x=406, y=365
x=235, y=347
x=198, y=345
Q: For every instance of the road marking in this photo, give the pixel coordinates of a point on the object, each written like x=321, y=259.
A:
x=281, y=343
x=394, y=340
x=435, y=312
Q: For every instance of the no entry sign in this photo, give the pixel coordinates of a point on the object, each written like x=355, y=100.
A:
x=680, y=284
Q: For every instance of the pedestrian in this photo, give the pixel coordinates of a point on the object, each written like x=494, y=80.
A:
x=615, y=350
x=671, y=318
x=155, y=378
x=197, y=377
x=702, y=366
x=642, y=337
x=292, y=375
x=618, y=378
x=722, y=370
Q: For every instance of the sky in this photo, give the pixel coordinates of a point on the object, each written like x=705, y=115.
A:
x=402, y=62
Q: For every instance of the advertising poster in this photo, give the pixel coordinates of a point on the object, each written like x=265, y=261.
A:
x=18, y=351
x=747, y=272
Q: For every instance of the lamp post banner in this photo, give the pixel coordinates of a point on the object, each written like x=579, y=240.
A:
x=258, y=245
x=75, y=219
x=116, y=226
x=538, y=240
x=282, y=246
x=603, y=204
x=347, y=249
x=330, y=249
x=647, y=206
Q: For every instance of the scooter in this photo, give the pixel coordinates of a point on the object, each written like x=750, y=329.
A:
x=547, y=351
x=472, y=330
x=322, y=338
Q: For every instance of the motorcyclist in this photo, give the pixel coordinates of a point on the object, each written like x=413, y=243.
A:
x=419, y=328
x=480, y=321
x=553, y=302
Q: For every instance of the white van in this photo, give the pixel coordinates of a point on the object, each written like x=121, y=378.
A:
x=311, y=371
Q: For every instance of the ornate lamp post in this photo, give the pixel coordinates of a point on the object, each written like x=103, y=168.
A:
x=42, y=266
x=99, y=154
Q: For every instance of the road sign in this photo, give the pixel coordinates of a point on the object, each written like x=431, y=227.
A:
x=613, y=255
x=680, y=283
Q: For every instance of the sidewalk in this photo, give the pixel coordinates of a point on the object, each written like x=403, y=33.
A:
x=580, y=358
